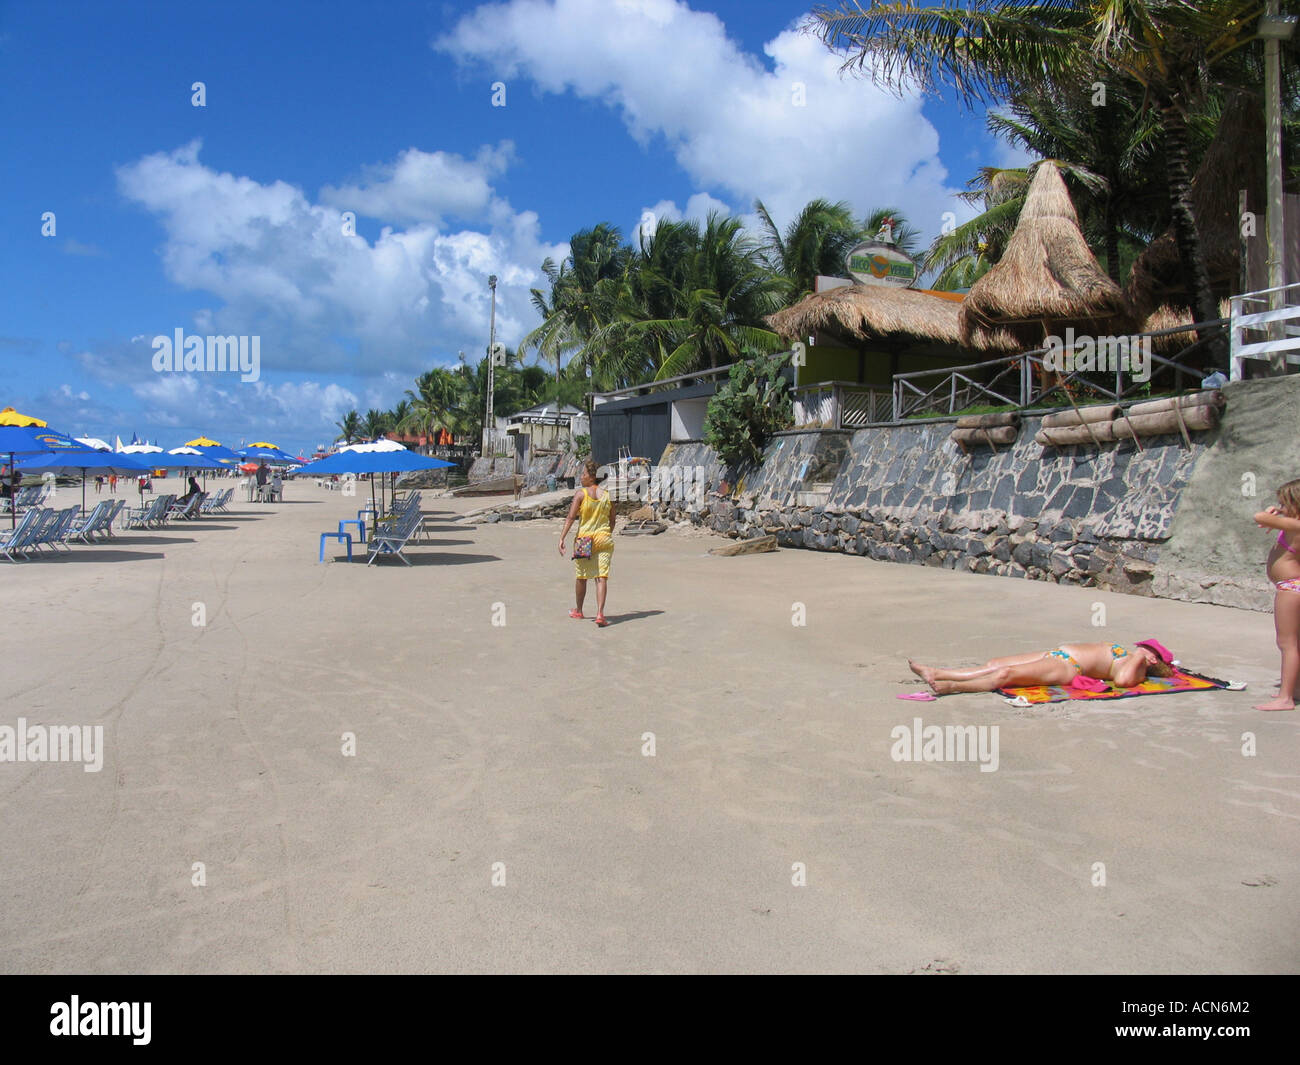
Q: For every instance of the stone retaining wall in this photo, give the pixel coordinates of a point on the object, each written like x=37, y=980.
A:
x=1087, y=515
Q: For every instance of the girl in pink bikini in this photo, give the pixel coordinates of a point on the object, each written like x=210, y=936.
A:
x=1284, y=572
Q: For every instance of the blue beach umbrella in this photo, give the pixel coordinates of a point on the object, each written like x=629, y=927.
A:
x=89, y=462
x=35, y=440
x=270, y=454
x=372, y=462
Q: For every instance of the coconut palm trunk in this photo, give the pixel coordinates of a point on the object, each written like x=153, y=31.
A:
x=1196, y=278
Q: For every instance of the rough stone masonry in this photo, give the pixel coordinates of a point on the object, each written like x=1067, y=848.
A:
x=1157, y=517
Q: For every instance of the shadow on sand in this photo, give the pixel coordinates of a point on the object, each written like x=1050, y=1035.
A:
x=636, y=615
x=90, y=554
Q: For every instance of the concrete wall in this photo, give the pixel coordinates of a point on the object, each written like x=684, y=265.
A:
x=1163, y=519
x=688, y=419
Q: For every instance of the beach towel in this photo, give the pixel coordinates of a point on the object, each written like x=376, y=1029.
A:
x=1183, y=680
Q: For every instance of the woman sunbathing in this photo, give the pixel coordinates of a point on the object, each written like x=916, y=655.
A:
x=1101, y=661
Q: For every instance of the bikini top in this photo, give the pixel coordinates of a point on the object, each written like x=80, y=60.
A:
x=1282, y=542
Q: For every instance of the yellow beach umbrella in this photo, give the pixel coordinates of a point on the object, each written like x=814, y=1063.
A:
x=9, y=416
x=202, y=441
x=264, y=444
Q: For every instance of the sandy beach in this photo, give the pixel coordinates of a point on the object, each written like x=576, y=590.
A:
x=496, y=739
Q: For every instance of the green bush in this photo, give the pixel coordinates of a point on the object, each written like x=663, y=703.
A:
x=753, y=404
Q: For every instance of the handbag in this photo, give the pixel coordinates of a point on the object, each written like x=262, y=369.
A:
x=582, y=547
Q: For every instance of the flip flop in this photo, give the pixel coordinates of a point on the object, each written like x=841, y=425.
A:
x=917, y=697
x=576, y=614
x=600, y=620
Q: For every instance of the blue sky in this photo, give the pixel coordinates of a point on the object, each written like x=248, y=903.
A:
x=229, y=219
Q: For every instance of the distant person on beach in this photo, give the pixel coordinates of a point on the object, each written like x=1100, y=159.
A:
x=112, y=483
x=99, y=483
x=1100, y=661
x=1284, y=573
x=594, y=511
x=12, y=482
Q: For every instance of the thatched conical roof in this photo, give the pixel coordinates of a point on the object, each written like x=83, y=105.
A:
x=1047, y=279
x=873, y=312
x=1234, y=160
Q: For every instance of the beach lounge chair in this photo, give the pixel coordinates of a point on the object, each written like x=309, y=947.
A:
x=165, y=511
x=13, y=540
x=146, y=516
x=84, y=528
x=114, y=518
x=391, y=539
x=187, y=510
x=217, y=502
x=55, y=529
x=45, y=517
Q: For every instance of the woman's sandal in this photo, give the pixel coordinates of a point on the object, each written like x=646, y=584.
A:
x=576, y=614
x=600, y=620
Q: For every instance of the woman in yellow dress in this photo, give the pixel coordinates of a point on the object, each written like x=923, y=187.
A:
x=594, y=513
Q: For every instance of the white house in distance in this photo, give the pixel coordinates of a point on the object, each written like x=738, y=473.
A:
x=548, y=426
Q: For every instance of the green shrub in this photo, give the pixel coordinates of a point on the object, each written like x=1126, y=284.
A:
x=753, y=404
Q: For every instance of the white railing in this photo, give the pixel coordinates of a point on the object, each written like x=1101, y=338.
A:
x=1251, y=313
x=840, y=405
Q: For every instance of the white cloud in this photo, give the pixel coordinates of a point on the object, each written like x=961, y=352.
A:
x=783, y=136
x=197, y=402
x=324, y=301
x=424, y=186
x=698, y=209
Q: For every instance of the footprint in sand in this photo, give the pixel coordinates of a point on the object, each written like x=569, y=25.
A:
x=939, y=965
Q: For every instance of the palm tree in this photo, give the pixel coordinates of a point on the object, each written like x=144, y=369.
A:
x=399, y=414
x=1169, y=53
x=432, y=402
x=816, y=242
x=699, y=297
x=375, y=424
x=1108, y=156
x=582, y=292
x=350, y=427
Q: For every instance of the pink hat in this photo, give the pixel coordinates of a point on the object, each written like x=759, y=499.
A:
x=1160, y=650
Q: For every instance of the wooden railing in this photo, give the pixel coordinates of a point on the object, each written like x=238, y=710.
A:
x=1025, y=380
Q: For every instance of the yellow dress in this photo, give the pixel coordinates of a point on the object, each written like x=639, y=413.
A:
x=593, y=521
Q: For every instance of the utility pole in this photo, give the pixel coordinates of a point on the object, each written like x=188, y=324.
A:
x=489, y=424
x=1275, y=28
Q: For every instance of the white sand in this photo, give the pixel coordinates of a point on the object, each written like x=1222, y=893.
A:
x=521, y=744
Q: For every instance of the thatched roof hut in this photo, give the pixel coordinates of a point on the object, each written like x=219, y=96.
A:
x=1233, y=161
x=1168, y=316
x=1047, y=280
x=863, y=313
